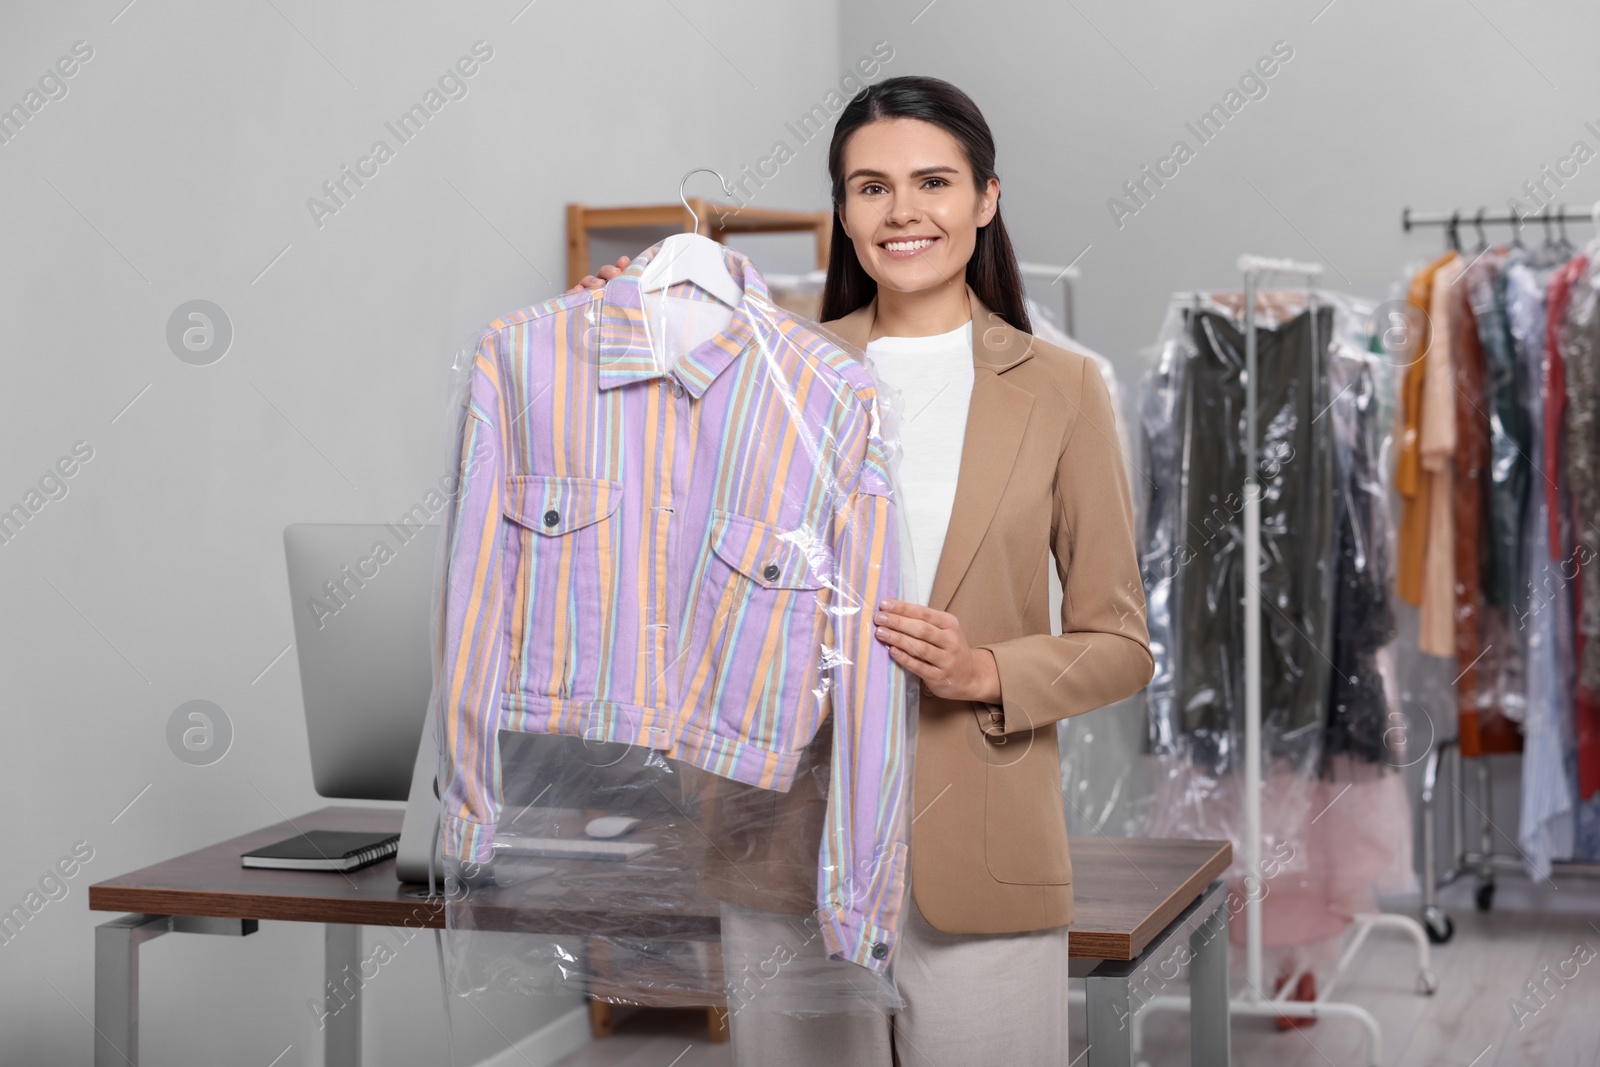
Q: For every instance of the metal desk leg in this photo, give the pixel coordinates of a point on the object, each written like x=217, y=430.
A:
x=116, y=976
x=1209, y=1021
x=1200, y=933
x=1109, y=1017
x=116, y=986
x=341, y=996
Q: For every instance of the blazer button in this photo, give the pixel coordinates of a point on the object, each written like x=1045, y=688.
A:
x=880, y=951
x=552, y=517
x=770, y=573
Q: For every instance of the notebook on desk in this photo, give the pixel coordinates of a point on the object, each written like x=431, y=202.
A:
x=324, y=850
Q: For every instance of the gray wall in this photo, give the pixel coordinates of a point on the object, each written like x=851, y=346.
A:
x=178, y=166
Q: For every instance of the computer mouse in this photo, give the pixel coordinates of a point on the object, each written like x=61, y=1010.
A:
x=610, y=826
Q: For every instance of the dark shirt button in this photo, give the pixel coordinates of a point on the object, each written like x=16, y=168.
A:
x=552, y=517
x=771, y=572
x=880, y=951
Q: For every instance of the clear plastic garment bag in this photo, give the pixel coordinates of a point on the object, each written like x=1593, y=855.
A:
x=664, y=718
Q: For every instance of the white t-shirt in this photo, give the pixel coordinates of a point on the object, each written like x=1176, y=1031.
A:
x=934, y=378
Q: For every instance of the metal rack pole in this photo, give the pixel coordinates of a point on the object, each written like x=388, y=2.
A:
x=1252, y=654
x=1252, y=267
x=1482, y=217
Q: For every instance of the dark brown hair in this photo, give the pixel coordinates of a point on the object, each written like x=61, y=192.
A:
x=992, y=271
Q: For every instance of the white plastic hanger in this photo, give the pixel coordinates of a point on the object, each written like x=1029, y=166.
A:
x=691, y=257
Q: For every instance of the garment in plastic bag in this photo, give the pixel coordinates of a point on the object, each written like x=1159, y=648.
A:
x=1543, y=612
x=660, y=693
x=1527, y=279
x=1482, y=646
x=1363, y=624
x=1581, y=349
x=1502, y=403
x=1335, y=825
x=1192, y=560
x=1567, y=550
x=1510, y=444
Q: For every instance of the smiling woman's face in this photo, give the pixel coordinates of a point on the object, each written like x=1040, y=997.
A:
x=911, y=206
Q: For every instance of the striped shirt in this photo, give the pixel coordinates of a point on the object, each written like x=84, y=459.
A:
x=683, y=554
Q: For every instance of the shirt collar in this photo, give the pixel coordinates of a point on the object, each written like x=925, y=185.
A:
x=625, y=355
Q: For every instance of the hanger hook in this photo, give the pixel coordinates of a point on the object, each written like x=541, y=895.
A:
x=1561, y=225
x=1454, y=233
x=1477, y=222
x=1549, y=234
x=681, y=196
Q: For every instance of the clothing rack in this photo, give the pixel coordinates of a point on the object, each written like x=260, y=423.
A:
x=1253, y=1000
x=1484, y=862
x=1481, y=218
x=1069, y=274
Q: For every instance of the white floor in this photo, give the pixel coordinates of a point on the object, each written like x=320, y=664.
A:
x=1468, y=1023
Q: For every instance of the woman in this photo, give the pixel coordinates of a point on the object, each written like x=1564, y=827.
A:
x=1009, y=455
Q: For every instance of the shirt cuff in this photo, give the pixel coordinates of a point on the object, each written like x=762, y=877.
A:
x=468, y=842
x=848, y=937
x=864, y=929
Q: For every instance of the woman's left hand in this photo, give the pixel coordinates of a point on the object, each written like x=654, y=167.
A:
x=930, y=645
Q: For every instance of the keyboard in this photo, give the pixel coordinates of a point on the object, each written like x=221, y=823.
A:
x=580, y=848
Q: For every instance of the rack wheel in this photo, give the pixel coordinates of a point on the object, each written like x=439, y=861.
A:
x=1483, y=897
x=1427, y=982
x=1438, y=925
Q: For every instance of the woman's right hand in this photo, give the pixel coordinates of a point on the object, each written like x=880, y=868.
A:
x=605, y=274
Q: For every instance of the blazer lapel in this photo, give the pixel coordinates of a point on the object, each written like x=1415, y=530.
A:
x=996, y=417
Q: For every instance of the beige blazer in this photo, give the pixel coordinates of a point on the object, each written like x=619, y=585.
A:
x=1041, y=474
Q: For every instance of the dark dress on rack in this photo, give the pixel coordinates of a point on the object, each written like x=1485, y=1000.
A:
x=1199, y=468
x=1363, y=614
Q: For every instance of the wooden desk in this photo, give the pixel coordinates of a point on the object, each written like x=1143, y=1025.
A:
x=1135, y=900
x=1127, y=890
x=210, y=882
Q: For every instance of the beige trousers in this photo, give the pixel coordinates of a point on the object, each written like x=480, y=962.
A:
x=970, y=1000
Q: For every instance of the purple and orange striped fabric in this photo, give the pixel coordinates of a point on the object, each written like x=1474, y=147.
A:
x=683, y=554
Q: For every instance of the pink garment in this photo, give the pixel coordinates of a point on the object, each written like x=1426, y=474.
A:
x=1360, y=832
x=1328, y=846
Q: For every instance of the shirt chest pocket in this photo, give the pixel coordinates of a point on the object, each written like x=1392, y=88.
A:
x=760, y=626
x=563, y=554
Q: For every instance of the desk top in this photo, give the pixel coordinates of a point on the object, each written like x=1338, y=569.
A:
x=1126, y=890
x=211, y=881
